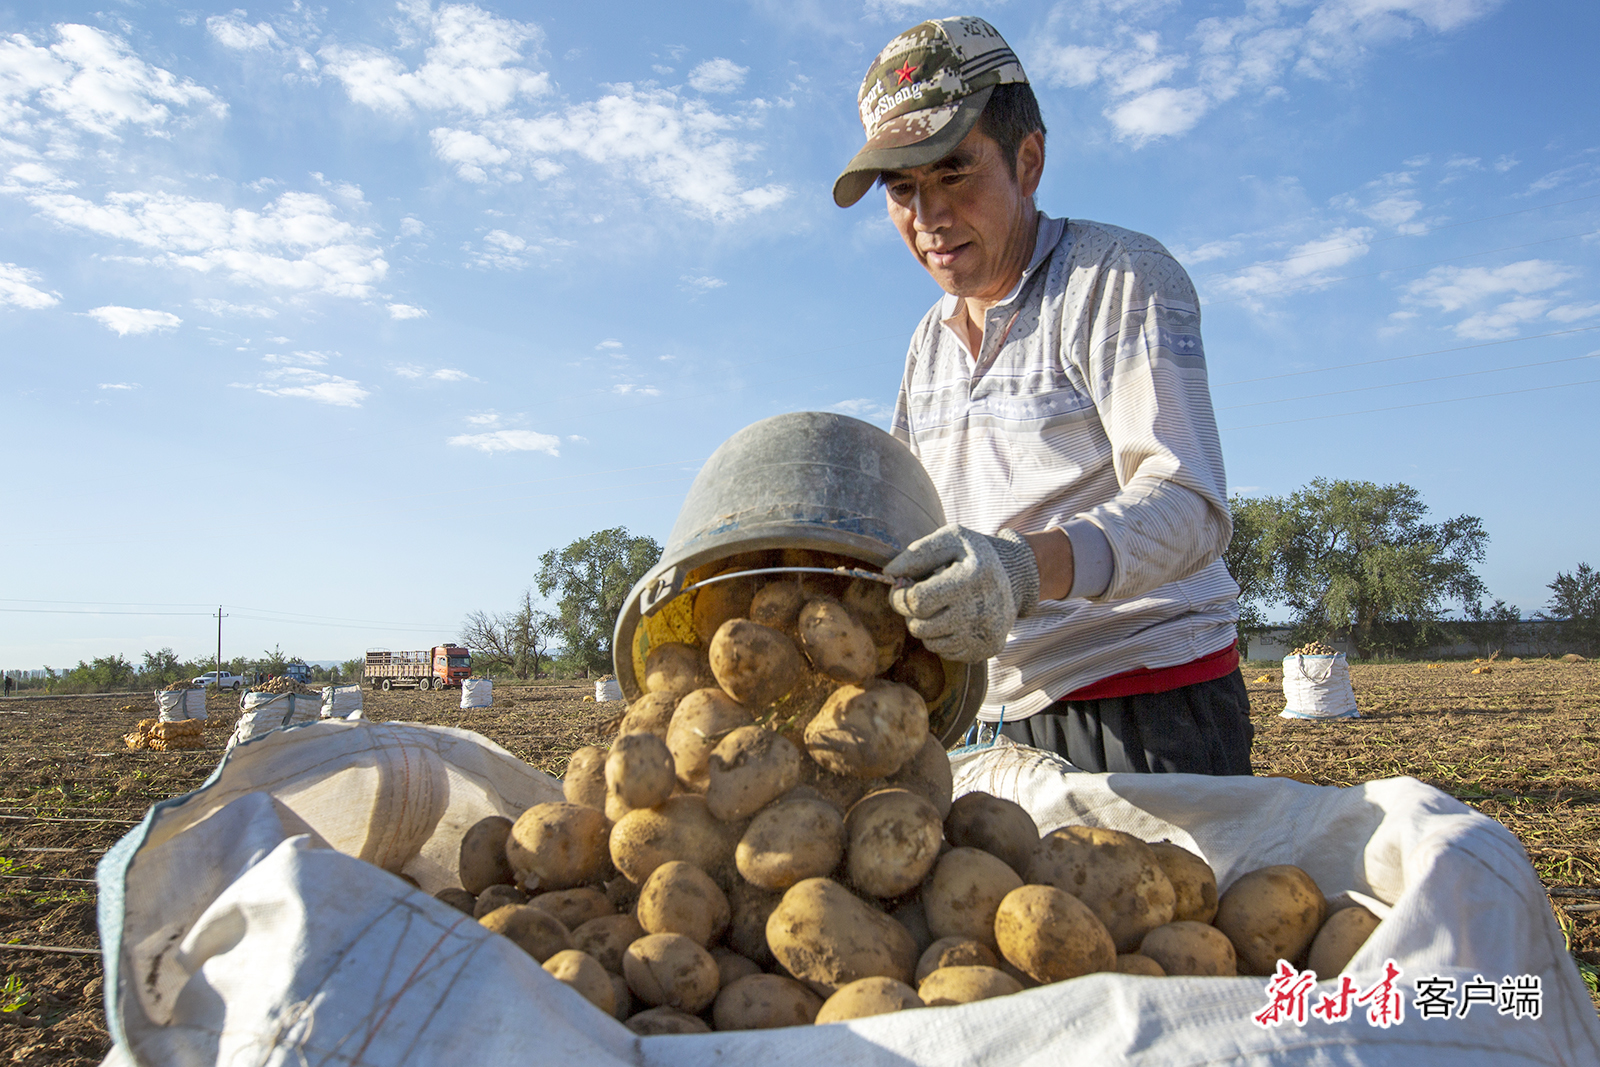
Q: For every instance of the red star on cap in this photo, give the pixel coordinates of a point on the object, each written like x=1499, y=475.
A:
x=905, y=73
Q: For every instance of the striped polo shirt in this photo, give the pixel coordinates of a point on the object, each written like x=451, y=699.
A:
x=1087, y=409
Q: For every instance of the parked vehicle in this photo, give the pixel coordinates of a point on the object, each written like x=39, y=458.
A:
x=298, y=672
x=221, y=679
x=431, y=668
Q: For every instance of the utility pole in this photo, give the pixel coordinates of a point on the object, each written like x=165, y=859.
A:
x=220, y=617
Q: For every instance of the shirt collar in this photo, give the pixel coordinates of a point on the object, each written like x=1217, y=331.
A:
x=1045, y=239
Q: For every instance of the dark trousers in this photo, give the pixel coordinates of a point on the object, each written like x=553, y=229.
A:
x=1203, y=728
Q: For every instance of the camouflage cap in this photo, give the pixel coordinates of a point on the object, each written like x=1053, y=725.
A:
x=923, y=94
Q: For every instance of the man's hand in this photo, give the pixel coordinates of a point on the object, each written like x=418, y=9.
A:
x=969, y=590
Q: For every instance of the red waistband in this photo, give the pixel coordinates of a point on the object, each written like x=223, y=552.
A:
x=1143, y=680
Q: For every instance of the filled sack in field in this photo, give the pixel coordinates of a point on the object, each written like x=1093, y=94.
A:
x=477, y=692
x=1318, y=687
x=338, y=701
x=178, y=705
x=238, y=925
x=265, y=712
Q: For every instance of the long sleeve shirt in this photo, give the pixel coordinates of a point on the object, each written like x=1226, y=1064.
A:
x=1087, y=409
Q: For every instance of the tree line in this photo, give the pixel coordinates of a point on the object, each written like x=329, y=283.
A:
x=1359, y=562
x=161, y=668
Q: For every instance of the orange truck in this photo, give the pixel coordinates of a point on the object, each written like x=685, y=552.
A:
x=430, y=668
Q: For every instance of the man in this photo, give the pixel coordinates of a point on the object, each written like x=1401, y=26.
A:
x=1057, y=395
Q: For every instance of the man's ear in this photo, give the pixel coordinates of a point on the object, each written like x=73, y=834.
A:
x=1030, y=163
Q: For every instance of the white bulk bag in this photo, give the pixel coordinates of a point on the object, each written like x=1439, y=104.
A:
x=477, y=692
x=266, y=712
x=238, y=926
x=1318, y=687
x=607, y=689
x=178, y=705
x=338, y=701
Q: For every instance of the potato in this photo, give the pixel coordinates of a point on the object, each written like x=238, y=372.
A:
x=718, y=602
x=955, y=952
x=909, y=913
x=747, y=933
x=679, y=898
x=702, y=720
x=964, y=892
x=749, y=769
x=574, y=907
x=827, y=937
x=754, y=664
x=1050, y=935
x=1189, y=947
x=650, y=714
x=559, y=846
x=1114, y=873
x=777, y=604
x=538, y=933
x=790, y=841
x=1342, y=934
x=653, y=1022
x=623, y=996
x=681, y=829
x=672, y=670
x=835, y=643
x=892, y=840
x=639, y=773
x=671, y=970
x=1271, y=914
x=868, y=601
x=497, y=896
x=606, y=938
x=1193, y=882
x=585, y=779
x=865, y=997
x=483, y=860
x=1133, y=963
x=928, y=772
x=842, y=791
x=1002, y=828
x=868, y=731
x=764, y=1002
x=583, y=973
x=732, y=966
x=963, y=985
x=922, y=671
x=457, y=898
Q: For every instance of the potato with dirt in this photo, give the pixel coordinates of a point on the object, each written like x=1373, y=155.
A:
x=674, y=669
x=1194, y=884
x=956, y=952
x=892, y=840
x=928, y=772
x=836, y=643
x=922, y=671
x=749, y=769
x=650, y=714
x=654, y=1022
x=538, y=933
x=754, y=664
x=866, y=997
x=964, y=985
x=702, y=720
x=585, y=975
x=683, y=828
x=584, y=781
x=559, y=846
x=962, y=895
x=639, y=773
x=1186, y=947
x=868, y=601
x=1050, y=935
x=1002, y=828
x=606, y=938
x=777, y=604
x=790, y=841
x=827, y=937
x=574, y=907
x=671, y=970
x=752, y=906
x=868, y=731
x=483, y=860
x=1114, y=873
x=1271, y=914
x=679, y=898
x=1341, y=937
x=718, y=602
x=764, y=1002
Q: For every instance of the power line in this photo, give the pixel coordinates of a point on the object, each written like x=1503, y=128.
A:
x=66, y=611
x=1403, y=407
x=1414, y=381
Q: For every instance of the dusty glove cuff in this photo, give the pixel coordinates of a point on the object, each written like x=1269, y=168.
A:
x=1016, y=556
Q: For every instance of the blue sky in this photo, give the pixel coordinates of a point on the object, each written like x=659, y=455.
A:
x=339, y=317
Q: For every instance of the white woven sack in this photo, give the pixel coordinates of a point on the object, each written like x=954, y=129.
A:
x=1318, y=687
x=265, y=712
x=237, y=926
x=477, y=692
x=338, y=701
x=180, y=704
x=607, y=689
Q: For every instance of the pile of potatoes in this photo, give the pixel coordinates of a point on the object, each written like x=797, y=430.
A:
x=771, y=841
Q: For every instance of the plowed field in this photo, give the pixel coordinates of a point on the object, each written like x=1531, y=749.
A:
x=1520, y=743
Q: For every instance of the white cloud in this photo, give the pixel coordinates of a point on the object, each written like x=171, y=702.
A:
x=1505, y=320
x=17, y=289
x=223, y=307
x=118, y=385
x=629, y=389
x=1162, y=112
x=410, y=227
x=313, y=385
x=863, y=408
x=502, y=250
x=1455, y=288
x=701, y=283
x=409, y=370
x=297, y=241
x=406, y=311
x=450, y=374
x=232, y=31
x=123, y=321
x=717, y=76
x=297, y=359
x=509, y=441
x=485, y=418
x=608, y=343
x=1305, y=266
x=472, y=65
x=577, y=438
x=1206, y=252
x=1573, y=312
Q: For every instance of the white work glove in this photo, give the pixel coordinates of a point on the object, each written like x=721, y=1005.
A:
x=969, y=590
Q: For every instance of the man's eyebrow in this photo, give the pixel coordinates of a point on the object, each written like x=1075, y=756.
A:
x=960, y=159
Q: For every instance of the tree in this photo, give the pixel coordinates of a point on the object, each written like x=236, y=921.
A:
x=1491, y=627
x=1356, y=560
x=517, y=641
x=591, y=578
x=1575, y=602
x=1251, y=562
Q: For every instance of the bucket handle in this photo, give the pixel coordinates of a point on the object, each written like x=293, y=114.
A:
x=665, y=588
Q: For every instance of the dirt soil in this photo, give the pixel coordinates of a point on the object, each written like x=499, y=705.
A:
x=1520, y=743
